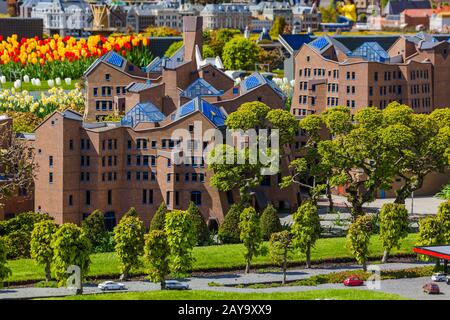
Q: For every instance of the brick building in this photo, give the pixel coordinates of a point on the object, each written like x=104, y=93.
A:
x=112, y=166
x=413, y=71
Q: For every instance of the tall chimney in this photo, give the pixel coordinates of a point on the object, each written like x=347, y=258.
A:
x=192, y=35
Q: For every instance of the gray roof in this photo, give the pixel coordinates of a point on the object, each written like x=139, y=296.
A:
x=138, y=87
x=225, y=7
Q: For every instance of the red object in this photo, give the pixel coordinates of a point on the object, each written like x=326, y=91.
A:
x=353, y=281
x=431, y=288
x=432, y=253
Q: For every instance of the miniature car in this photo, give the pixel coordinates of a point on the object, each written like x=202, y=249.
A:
x=431, y=288
x=439, y=277
x=111, y=285
x=176, y=285
x=353, y=281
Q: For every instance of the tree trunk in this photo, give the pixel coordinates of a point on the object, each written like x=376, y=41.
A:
x=163, y=284
x=308, y=257
x=124, y=275
x=385, y=256
x=330, y=199
x=357, y=210
x=247, y=267
x=48, y=274
x=364, y=266
x=402, y=193
x=284, y=270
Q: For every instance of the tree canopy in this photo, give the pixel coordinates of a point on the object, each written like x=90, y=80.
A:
x=240, y=54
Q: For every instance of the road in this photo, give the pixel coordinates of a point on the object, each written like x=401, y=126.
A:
x=409, y=288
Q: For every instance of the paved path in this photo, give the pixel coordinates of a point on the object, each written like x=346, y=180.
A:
x=201, y=282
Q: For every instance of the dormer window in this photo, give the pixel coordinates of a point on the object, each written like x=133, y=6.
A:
x=107, y=77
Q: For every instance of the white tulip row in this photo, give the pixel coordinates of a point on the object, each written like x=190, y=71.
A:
x=36, y=81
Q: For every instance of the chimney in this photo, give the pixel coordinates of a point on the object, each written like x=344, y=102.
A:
x=192, y=35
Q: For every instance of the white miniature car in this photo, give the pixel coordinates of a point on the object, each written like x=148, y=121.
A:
x=439, y=277
x=176, y=285
x=111, y=285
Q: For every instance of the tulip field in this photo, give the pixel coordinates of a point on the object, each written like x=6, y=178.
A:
x=65, y=57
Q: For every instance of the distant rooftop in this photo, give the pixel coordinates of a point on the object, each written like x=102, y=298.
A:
x=210, y=111
x=142, y=112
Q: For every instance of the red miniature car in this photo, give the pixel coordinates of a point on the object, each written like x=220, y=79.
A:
x=431, y=288
x=353, y=281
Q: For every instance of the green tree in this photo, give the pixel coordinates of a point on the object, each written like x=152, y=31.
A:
x=430, y=233
x=161, y=32
x=280, y=245
x=393, y=226
x=358, y=239
x=5, y=272
x=426, y=151
x=94, y=227
x=201, y=228
x=157, y=253
x=240, y=54
x=41, y=249
x=229, y=230
x=129, y=238
x=18, y=244
x=159, y=219
x=173, y=48
x=443, y=216
x=219, y=38
x=277, y=27
x=270, y=222
x=70, y=247
x=207, y=52
x=250, y=235
x=306, y=229
x=329, y=14
x=182, y=237
x=245, y=175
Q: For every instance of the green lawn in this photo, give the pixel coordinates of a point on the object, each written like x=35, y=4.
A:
x=44, y=85
x=214, y=258
x=335, y=294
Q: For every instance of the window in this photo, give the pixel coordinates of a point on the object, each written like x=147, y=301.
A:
x=186, y=177
x=70, y=200
x=144, y=196
x=128, y=160
x=202, y=177
x=153, y=161
x=50, y=161
x=230, y=197
x=138, y=175
x=128, y=175
x=109, y=197
x=88, y=197
x=129, y=144
x=177, y=198
x=138, y=160
x=168, y=198
x=196, y=197
x=71, y=144
x=107, y=77
x=95, y=92
x=153, y=144
x=375, y=76
x=168, y=177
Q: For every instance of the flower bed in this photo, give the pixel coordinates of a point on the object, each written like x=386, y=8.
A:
x=65, y=57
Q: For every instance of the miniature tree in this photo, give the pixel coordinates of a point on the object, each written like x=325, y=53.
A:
x=181, y=236
x=306, y=229
x=41, y=240
x=199, y=223
x=393, y=226
x=430, y=234
x=229, y=230
x=443, y=216
x=250, y=235
x=280, y=245
x=94, y=227
x=159, y=219
x=129, y=238
x=358, y=238
x=157, y=254
x=270, y=222
x=4, y=270
x=70, y=247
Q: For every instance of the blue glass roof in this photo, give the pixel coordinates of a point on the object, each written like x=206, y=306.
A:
x=115, y=59
x=142, y=112
x=200, y=87
x=371, y=51
x=210, y=111
x=320, y=43
x=295, y=41
x=256, y=80
x=252, y=82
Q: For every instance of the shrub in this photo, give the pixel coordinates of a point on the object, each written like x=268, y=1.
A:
x=18, y=244
x=22, y=222
x=229, y=230
x=250, y=235
x=40, y=244
x=4, y=270
x=107, y=243
x=157, y=253
x=71, y=247
x=443, y=216
x=270, y=222
x=94, y=227
x=393, y=226
x=159, y=219
x=358, y=238
x=129, y=238
x=199, y=223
